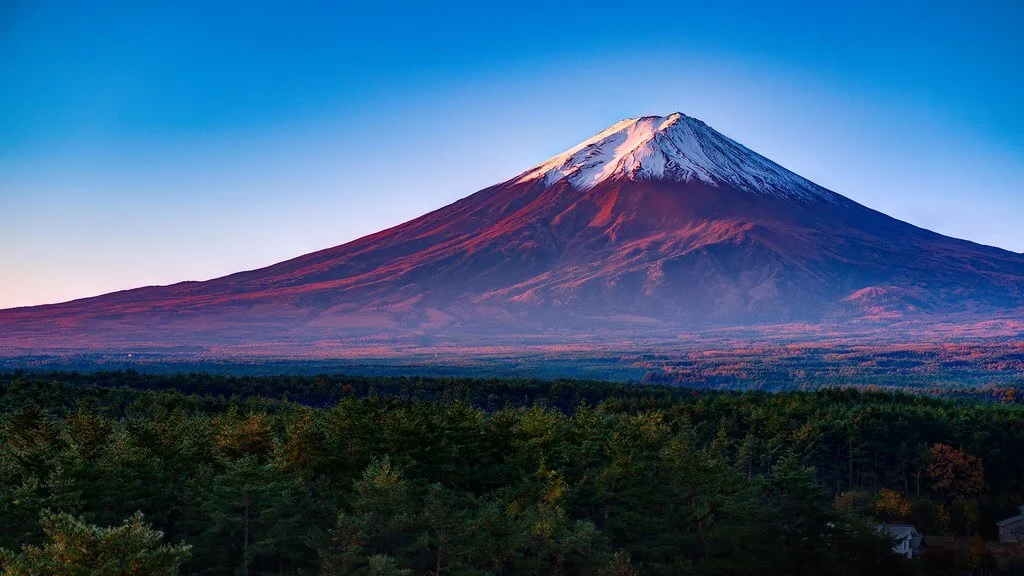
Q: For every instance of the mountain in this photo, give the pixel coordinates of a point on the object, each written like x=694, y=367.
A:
x=657, y=224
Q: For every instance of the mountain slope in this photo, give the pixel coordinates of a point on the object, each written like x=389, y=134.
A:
x=656, y=221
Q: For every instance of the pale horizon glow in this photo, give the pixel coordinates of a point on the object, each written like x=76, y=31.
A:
x=100, y=192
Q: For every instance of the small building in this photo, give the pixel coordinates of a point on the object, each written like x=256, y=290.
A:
x=1012, y=529
x=908, y=539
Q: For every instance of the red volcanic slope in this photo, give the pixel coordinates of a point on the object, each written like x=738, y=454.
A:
x=658, y=224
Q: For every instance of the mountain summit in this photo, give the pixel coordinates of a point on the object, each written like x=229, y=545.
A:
x=674, y=148
x=658, y=224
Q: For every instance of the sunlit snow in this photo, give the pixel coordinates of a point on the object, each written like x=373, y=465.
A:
x=674, y=148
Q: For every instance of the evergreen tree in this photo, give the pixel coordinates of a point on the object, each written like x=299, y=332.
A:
x=380, y=522
x=73, y=548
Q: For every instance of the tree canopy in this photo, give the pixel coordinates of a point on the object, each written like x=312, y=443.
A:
x=131, y=474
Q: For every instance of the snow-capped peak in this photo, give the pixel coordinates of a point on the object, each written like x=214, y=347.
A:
x=674, y=148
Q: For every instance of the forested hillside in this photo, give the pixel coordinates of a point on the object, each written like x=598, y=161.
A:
x=124, y=473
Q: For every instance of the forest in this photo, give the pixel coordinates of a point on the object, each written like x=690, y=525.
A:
x=128, y=473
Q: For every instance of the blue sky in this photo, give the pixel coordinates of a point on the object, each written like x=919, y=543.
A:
x=152, y=142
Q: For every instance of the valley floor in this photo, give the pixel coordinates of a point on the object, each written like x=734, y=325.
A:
x=938, y=360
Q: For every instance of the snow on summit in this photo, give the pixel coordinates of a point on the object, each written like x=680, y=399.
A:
x=674, y=148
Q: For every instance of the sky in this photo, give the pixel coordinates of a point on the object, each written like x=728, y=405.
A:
x=153, y=142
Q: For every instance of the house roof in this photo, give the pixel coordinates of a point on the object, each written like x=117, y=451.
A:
x=900, y=531
x=1013, y=520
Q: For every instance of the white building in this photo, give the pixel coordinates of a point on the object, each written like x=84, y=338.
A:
x=1012, y=529
x=908, y=539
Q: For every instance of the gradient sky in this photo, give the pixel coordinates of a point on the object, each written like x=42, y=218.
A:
x=153, y=142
